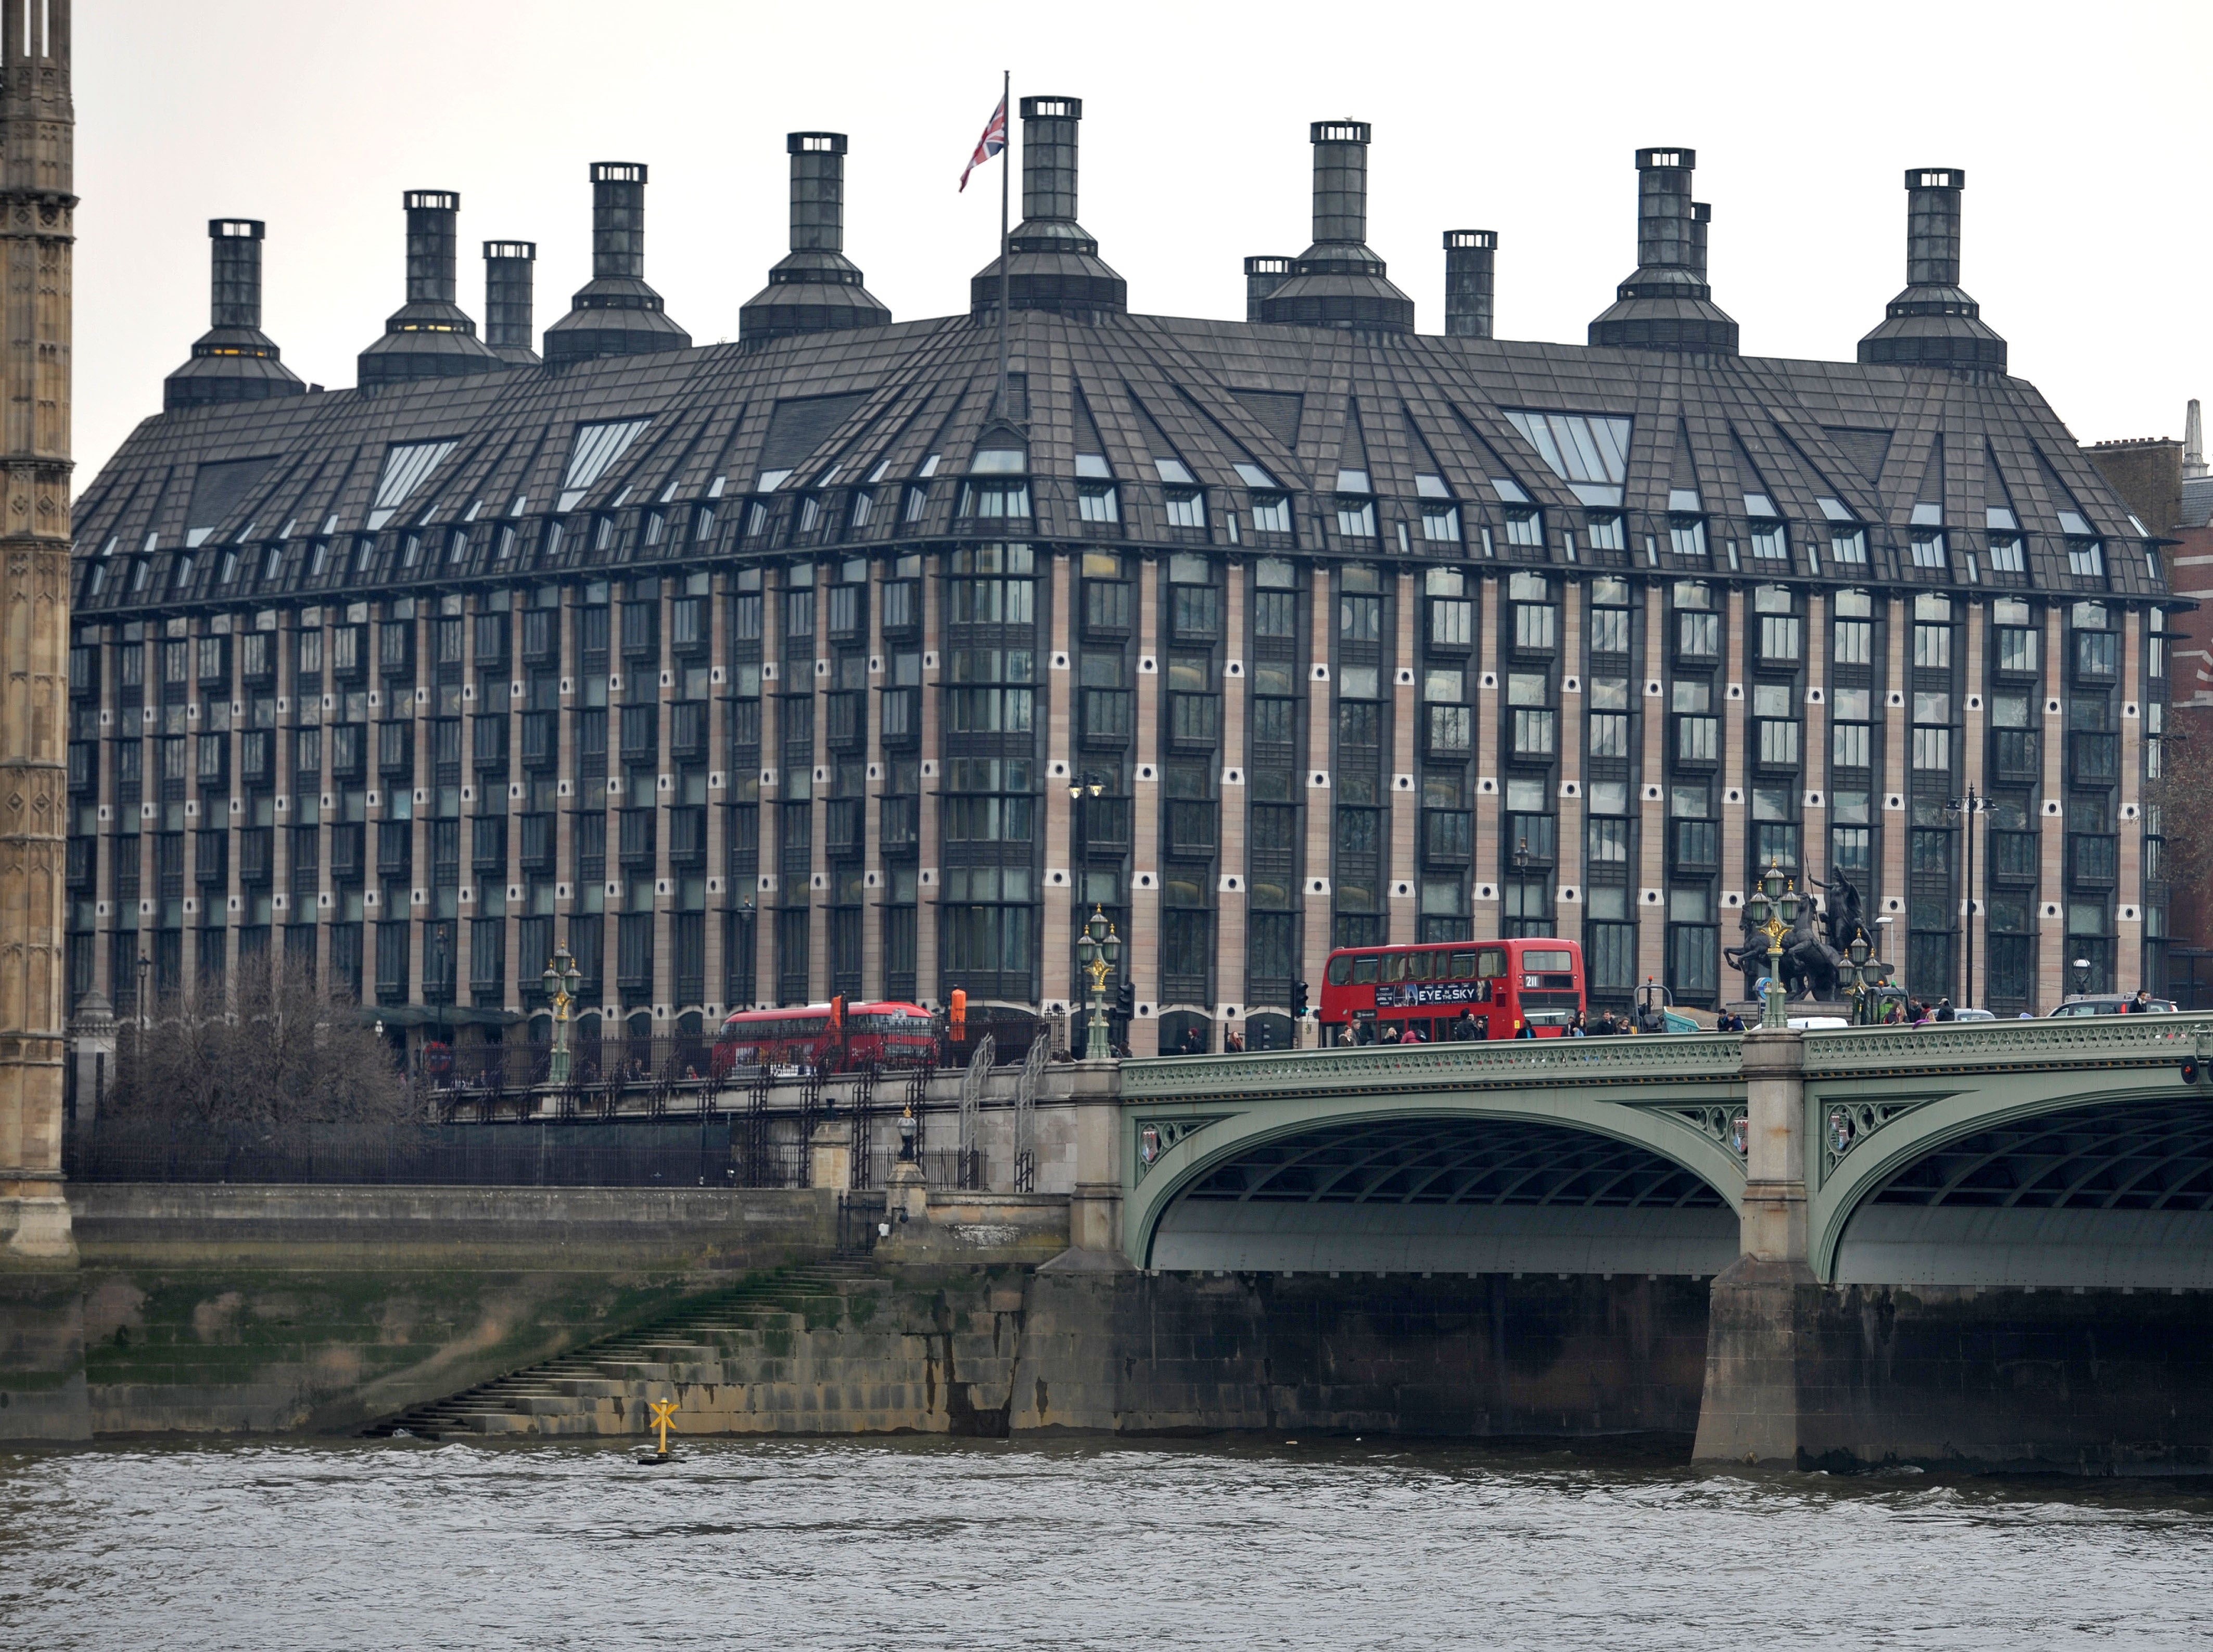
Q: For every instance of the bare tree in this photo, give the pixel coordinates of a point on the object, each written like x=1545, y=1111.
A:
x=273, y=1050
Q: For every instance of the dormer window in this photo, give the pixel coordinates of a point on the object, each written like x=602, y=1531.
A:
x=998, y=498
x=1770, y=540
x=770, y=481
x=1928, y=536
x=1353, y=482
x=1685, y=501
x=999, y=461
x=2071, y=523
x=1847, y=539
x=1093, y=467
x=2007, y=555
x=1271, y=506
x=1173, y=474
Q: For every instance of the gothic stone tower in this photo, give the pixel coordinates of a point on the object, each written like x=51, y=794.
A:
x=36, y=220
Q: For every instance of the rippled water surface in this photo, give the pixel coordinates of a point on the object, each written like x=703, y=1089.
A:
x=897, y=1544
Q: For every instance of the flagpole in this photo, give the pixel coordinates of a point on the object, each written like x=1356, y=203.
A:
x=1006, y=175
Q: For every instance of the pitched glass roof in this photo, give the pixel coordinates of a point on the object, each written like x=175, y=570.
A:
x=405, y=467
x=598, y=446
x=1589, y=452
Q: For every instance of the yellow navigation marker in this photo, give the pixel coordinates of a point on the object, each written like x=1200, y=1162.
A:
x=662, y=1410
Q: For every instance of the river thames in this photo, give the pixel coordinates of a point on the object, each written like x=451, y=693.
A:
x=926, y=1543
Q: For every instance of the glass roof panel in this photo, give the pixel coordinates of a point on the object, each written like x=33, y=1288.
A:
x=1578, y=446
x=405, y=467
x=597, y=446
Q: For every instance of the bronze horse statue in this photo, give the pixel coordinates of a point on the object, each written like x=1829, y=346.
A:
x=1808, y=965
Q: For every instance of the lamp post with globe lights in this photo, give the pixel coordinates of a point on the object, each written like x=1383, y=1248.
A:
x=1098, y=950
x=561, y=979
x=1773, y=908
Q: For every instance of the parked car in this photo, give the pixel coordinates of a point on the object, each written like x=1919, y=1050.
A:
x=2110, y=1003
x=1972, y=1015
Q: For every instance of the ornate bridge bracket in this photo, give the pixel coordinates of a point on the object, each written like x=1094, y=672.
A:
x=1726, y=1124
x=1846, y=1123
x=1156, y=1136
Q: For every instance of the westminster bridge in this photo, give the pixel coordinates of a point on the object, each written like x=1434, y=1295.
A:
x=2058, y=1152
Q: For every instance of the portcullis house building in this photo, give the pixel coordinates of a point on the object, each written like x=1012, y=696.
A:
x=818, y=664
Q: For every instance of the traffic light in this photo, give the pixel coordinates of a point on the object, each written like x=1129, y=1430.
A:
x=1299, y=1000
x=1125, y=998
x=2190, y=1070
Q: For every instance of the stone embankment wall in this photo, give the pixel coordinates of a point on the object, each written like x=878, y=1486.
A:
x=1493, y=1355
x=321, y=1308
x=998, y=1350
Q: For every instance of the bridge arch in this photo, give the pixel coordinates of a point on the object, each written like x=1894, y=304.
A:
x=2040, y=1156
x=1422, y=1176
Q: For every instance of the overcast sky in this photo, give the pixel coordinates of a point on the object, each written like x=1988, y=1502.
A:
x=2082, y=129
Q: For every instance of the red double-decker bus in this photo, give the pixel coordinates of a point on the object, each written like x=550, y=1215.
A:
x=1457, y=990
x=889, y=1034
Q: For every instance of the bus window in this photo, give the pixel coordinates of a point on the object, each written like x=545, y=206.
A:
x=1363, y=971
x=1463, y=966
x=1340, y=971
x=1547, y=960
x=1394, y=966
x=1491, y=962
x=1417, y=966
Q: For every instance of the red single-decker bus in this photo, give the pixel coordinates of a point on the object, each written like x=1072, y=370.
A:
x=1452, y=991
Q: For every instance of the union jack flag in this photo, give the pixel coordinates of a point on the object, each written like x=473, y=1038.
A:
x=993, y=141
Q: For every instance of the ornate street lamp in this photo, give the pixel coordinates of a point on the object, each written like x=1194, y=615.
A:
x=1773, y=908
x=1098, y=950
x=2081, y=976
x=1856, y=977
x=561, y=979
x=906, y=1135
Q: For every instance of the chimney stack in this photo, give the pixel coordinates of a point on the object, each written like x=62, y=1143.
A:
x=1263, y=275
x=509, y=294
x=615, y=314
x=1665, y=304
x=1470, y=261
x=2193, y=442
x=233, y=360
x=816, y=288
x=1933, y=323
x=429, y=336
x=1337, y=281
x=1053, y=264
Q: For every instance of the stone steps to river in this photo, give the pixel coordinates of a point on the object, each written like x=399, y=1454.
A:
x=710, y=1344
x=831, y=1347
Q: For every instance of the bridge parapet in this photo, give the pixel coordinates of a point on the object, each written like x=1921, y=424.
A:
x=2053, y=1043
x=1516, y=1063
